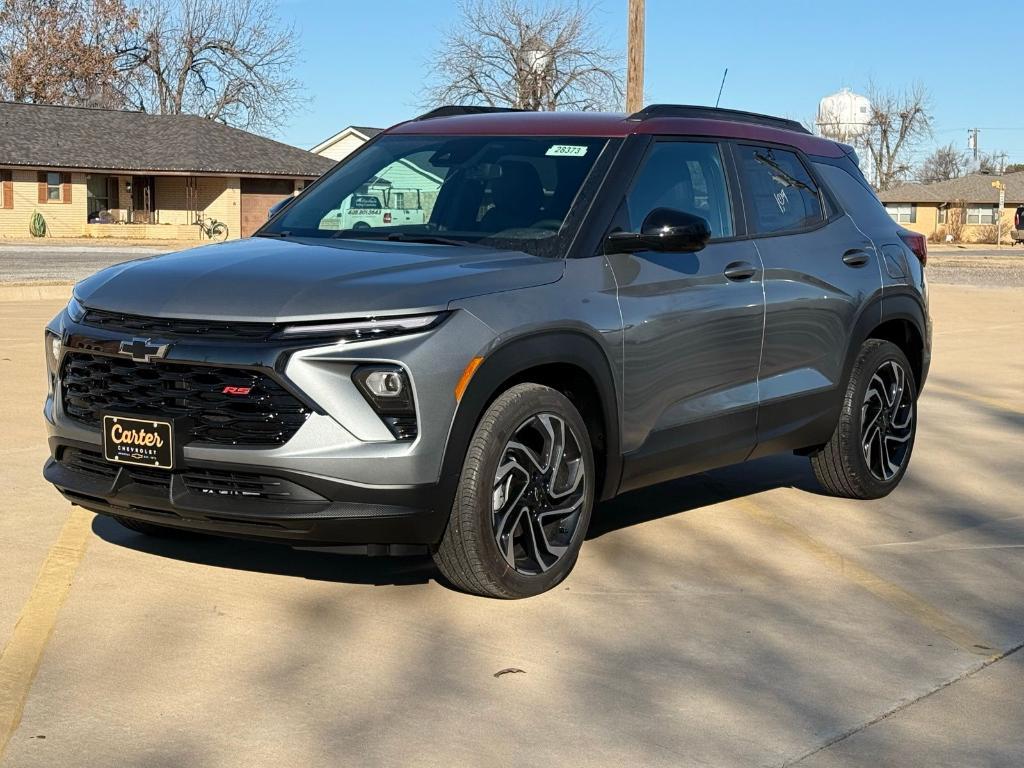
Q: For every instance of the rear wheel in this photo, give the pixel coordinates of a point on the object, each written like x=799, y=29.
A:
x=524, y=499
x=869, y=452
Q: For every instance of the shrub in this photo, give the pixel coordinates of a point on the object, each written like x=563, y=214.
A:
x=37, y=225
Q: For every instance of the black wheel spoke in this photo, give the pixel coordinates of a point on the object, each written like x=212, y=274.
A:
x=539, y=492
x=887, y=414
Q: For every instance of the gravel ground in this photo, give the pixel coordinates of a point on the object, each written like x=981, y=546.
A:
x=64, y=264
x=989, y=272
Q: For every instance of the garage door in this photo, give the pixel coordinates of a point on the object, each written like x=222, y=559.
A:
x=257, y=197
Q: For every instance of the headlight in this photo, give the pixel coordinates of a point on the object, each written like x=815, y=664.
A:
x=371, y=328
x=75, y=310
x=52, y=350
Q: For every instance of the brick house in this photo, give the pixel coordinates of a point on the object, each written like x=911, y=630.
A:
x=105, y=173
x=928, y=208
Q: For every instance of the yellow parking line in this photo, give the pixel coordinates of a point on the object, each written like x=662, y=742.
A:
x=906, y=602
x=20, y=659
x=992, y=401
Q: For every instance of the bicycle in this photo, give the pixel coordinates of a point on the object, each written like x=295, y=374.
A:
x=211, y=228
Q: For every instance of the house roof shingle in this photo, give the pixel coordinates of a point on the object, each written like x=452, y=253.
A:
x=41, y=136
x=975, y=188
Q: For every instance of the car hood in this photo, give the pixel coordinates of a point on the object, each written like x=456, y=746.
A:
x=293, y=280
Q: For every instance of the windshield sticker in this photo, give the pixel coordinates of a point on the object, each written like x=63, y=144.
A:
x=566, y=150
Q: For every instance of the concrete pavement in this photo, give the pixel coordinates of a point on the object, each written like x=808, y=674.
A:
x=730, y=619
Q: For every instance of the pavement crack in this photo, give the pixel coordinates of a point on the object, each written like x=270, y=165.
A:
x=900, y=707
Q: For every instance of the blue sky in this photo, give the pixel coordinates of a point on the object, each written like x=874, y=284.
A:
x=364, y=62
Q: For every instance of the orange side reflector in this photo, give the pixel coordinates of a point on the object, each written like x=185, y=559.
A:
x=467, y=374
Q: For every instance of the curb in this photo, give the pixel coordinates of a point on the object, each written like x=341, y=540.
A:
x=45, y=292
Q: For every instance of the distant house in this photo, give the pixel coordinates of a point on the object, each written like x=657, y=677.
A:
x=106, y=173
x=345, y=142
x=407, y=184
x=929, y=208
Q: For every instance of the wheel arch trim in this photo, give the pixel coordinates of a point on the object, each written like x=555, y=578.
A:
x=514, y=357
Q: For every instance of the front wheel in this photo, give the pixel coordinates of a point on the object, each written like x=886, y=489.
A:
x=870, y=449
x=524, y=499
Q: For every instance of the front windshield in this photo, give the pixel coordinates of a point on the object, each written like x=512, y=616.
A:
x=499, y=191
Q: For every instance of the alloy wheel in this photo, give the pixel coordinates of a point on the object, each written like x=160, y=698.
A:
x=539, y=491
x=887, y=421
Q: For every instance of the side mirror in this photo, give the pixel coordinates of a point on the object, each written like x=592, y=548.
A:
x=278, y=206
x=666, y=230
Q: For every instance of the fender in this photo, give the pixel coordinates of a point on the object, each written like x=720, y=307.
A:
x=894, y=304
x=509, y=360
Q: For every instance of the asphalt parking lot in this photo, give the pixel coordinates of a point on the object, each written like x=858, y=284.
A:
x=734, y=618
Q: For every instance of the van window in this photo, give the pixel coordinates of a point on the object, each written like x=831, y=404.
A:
x=779, y=192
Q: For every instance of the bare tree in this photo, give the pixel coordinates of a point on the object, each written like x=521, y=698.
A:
x=956, y=218
x=71, y=52
x=992, y=163
x=227, y=60
x=943, y=164
x=514, y=53
x=899, y=122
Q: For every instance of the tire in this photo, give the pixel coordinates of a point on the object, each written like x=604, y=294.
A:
x=844, y=467
x=156, y=531
x=524, y=420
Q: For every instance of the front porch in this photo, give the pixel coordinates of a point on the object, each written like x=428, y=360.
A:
x=159, y=207
x=187, y=233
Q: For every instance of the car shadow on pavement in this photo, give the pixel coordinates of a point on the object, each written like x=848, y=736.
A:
x=269, y=558
x=645, y=505
x=702, y=490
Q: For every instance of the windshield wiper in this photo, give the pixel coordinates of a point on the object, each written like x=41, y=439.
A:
x=272, y=234
x=396, y=237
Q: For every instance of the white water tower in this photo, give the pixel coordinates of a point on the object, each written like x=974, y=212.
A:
x=844, y=116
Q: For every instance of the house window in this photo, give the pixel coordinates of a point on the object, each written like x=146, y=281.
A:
x=981, y=214
x=940, y=215
x=53, y=186
x=902, y=213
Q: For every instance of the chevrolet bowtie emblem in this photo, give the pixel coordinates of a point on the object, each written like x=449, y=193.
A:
x=143, y=350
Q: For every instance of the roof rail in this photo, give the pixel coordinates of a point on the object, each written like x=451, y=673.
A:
x=716, y=113
x=453, y=110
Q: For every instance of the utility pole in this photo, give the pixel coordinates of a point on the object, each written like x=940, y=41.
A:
x=972, y=141
x=635, y=58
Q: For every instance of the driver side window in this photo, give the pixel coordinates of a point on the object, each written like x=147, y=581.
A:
x=685, y=176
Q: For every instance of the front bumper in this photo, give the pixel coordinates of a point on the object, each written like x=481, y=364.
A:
x=271, y=504
x=350, y=481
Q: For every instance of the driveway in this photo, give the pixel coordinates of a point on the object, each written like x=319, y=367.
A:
x=734, y=618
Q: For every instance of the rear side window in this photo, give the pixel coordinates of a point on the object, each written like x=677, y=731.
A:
x=780, y=193
x=685, y=176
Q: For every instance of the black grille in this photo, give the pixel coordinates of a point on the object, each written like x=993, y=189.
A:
x=206, y=482
x=173, y=327
x=267, y=415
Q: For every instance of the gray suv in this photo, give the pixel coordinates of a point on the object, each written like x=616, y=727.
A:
x=564, y=307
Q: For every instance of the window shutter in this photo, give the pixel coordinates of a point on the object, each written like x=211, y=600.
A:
x=65, y=188
x=6, y=189
x=42, y=188
x=913, y=214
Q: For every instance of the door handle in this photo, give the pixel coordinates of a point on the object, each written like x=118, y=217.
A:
x=855, y=257
x=740, y=270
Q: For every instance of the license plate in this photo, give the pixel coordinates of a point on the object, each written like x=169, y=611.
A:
x=143, y=442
